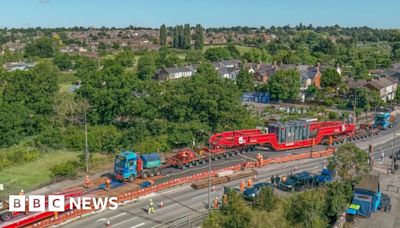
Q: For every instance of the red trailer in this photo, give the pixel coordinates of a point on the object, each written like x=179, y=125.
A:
x=282, y=136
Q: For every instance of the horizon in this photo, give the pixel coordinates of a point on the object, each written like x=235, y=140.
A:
x=208, y=13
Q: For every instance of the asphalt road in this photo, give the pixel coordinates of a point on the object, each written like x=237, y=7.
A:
x=182, y=202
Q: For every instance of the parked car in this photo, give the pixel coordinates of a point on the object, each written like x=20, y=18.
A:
x=297, y=181
x=252, y=192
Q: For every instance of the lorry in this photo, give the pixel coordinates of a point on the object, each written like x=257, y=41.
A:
x=129, y=165
x=384, y=120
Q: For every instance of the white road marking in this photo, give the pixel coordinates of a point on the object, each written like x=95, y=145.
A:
x=116, y=216
x=247, y=157
x=177, y=189
x=102, y=219
x=138, y=225
x=125, y=221
x=168, y=206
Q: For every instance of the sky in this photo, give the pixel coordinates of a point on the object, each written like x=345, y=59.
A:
x=209, y=13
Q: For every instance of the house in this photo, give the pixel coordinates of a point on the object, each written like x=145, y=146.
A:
x=310, y=76
x=172, y=73
x=228, y=68
x=385, y=86
x=263, y=72
x=12, y=66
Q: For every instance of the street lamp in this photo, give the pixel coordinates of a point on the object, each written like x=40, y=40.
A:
x=209, y=168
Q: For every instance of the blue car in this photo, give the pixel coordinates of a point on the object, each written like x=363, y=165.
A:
x=251, y=193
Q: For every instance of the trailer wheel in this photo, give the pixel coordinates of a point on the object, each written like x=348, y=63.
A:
x=144, y=175
x=131, y=178
x=203, y=161
x=196, y=163
x=157, y=172
x=190, y=165
x=6, y=216
x=183, y=166
x=151, y=174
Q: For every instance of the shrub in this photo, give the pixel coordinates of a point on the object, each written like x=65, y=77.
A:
x=65, y=169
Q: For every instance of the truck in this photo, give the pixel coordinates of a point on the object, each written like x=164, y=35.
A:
x=129, y=165
x=326, y=176
x=384, y=120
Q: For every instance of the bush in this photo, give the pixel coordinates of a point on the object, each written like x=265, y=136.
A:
x=333, y=116
x=17, y=156
x=65, y=169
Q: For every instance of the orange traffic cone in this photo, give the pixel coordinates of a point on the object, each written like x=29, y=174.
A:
x=161, y=204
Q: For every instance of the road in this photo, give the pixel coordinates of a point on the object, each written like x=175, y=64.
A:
x=183, y=201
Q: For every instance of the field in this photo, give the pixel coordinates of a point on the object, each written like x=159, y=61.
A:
x=242, y=49
x=35, y=172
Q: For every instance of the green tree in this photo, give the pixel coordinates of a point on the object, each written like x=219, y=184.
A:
x=330, y=78
x=395, y=52
x=216, y=54
x=338, y=196
x=266, y=200
x=306, y=209
x=63, y=62
x=186, y=37
x=125, y=58
x=284, y=84
x=234, y=51
x=199, y=37
x=175, y=42
x=163, y=35
x=146, y=67
x=44, y=47
x=244, y=81
x=349, y=162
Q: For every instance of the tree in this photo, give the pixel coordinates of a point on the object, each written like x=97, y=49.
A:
x=163, y=35
x=186, y=37
x=63, y=62
x=125, y=58
x=266, y=200
x=306, y=209
x=199, y=37
x=216, y=54
x=44, y=47
x=146, y=67
x=234, y=51
x=181, y=37
x=349, y=162
x=338, y=196
x=330, y=78
x=244, y=81
x=284, y=84
x=395, y=52
x=175, y=42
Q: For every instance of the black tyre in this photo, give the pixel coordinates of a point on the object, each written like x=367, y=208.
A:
x=190, y=165
x=6, y=216
x=144, y=175
x=131, y=178
x=157, y=172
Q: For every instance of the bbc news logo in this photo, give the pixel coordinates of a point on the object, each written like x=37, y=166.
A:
x=58, y=203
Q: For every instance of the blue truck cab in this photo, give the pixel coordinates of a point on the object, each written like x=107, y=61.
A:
x=384, y=120
x=128, y=165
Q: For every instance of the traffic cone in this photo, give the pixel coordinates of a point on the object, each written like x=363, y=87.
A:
x=108, y=224
x=213, y=188
x=161, y=204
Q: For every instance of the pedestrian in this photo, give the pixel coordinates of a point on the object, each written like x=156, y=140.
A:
x=225, y=200
x=87, y=181
x=242, y=185
x=108, y=183
x=277, y=180
x=272, y=179
x=249, y=183
x=151, y=209
x=284, y=179
x=216, y=203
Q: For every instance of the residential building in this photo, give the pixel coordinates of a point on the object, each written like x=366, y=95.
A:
x=12, y=66
x=385, y=86
x=172, y=73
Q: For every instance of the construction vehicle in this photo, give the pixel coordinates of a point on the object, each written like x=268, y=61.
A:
x=282, y=136
x=384, y=120
x=128, y=165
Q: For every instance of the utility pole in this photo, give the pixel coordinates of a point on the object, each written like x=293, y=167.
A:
x=209, y=174
x=86, y=147
x=393, y=154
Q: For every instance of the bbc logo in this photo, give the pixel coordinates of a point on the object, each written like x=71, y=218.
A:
x=36, y=203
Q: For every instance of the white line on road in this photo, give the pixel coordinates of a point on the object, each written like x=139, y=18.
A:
x=168, y=206
x=102, y=219
x=247, y=157
x=176, y=190
x=138, y=225
x=125, y=221
x=116, y=216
